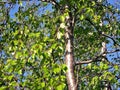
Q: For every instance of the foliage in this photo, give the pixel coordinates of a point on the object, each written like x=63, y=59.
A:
x=33, y=46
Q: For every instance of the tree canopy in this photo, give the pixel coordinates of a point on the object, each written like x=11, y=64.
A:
x=59, y=45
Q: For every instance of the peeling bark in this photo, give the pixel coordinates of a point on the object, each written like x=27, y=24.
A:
x=69, y=56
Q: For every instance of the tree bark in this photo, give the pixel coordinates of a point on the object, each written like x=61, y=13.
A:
x=69, y=55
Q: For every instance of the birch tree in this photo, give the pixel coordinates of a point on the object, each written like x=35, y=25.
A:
x=59, y=45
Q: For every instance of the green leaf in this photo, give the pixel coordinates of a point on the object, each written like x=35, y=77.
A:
x=20, y=72
x=12, y=84
x=43, y=84
x=61, y=87
x=45, y=3
x=81, y=17
x=56, y=70
x=3, y=87
x=10, y=77
x=103, y=66
x=11, y=62
x=18, y=55
x=94, y=81
x=93, y=3
x=116, y=67
x=20, y=2
x=62, y=18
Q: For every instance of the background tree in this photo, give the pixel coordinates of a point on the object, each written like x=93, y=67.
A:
x=57, y=45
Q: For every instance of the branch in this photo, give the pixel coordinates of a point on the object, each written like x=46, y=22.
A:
x=85, y=62
x=100, y=32
x=89, y=61
x=96, y=57
x=118, y=77
x=95, y=60
x=110, y=38
x=53, y=2
x=113, y=51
